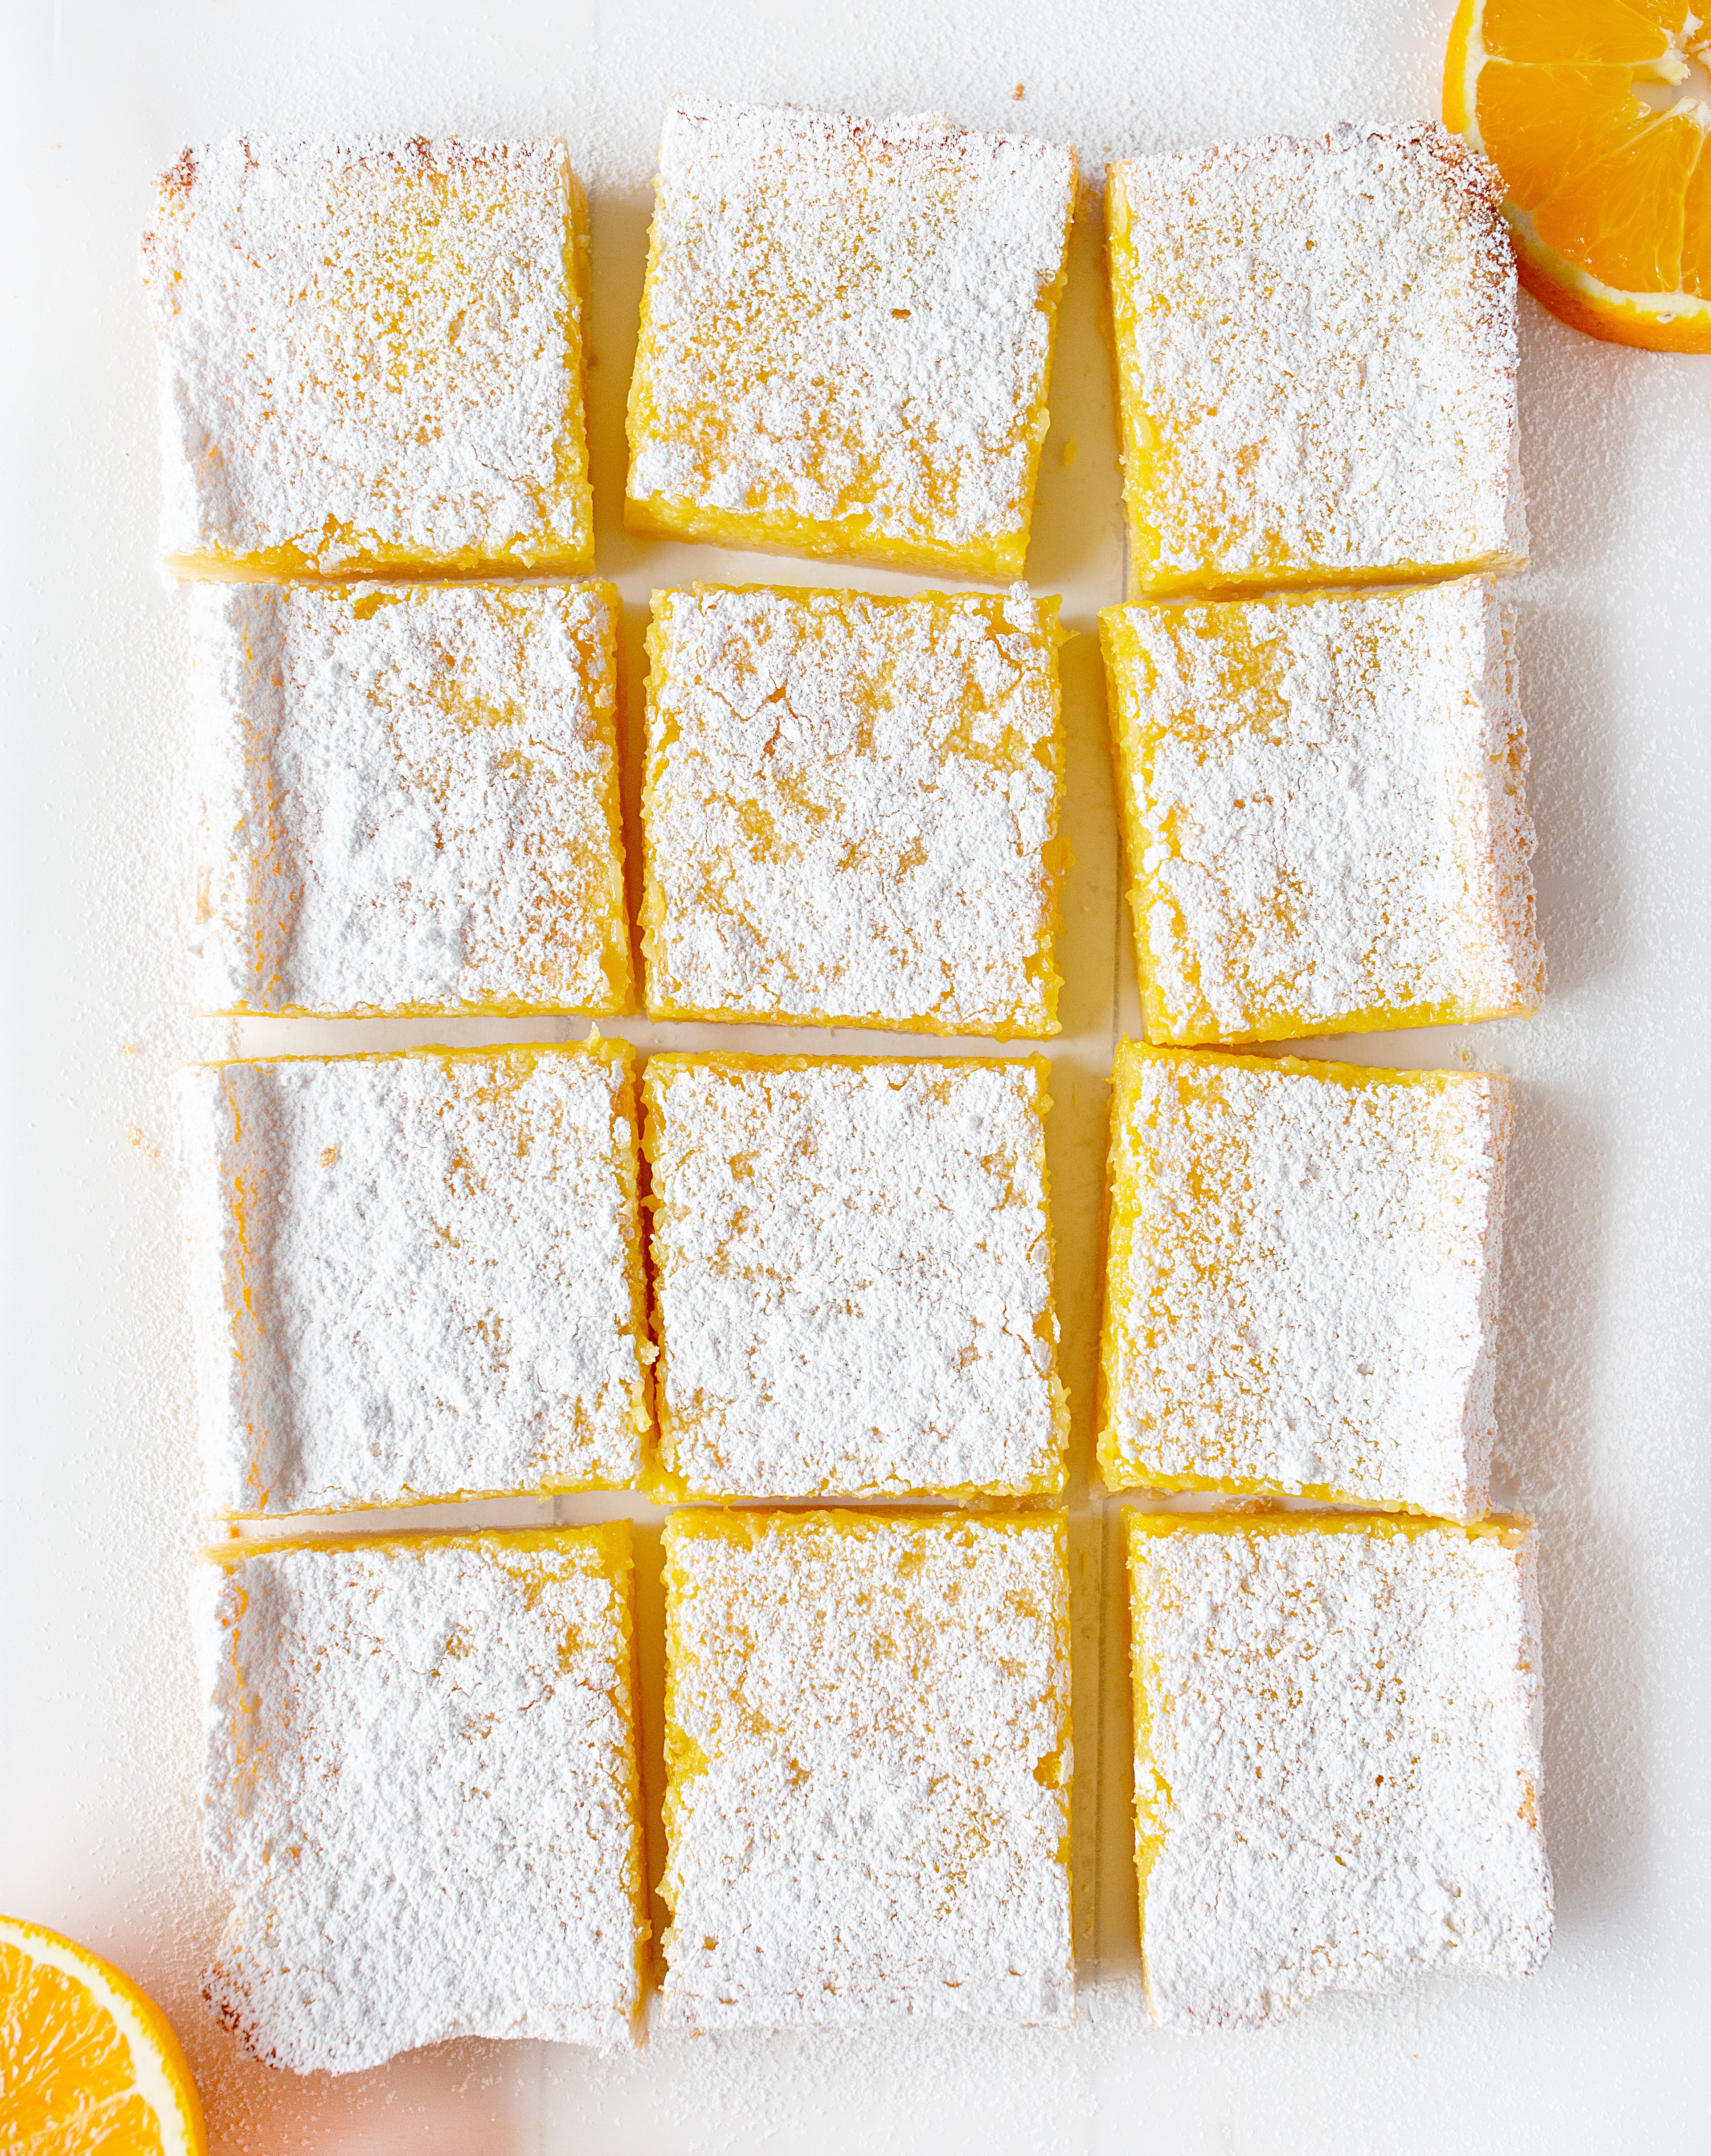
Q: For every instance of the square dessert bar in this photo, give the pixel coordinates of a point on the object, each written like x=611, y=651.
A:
x=851, y=808
x=1323, y=811
x=415, y=1276
x=1316, y=361
x=420, y=1790
x=845, y=335
x=1337, y=1758
x=867, y=1753
x=409, y=799
x=1301, y=1279
x=372, y=357
x=852, y=1277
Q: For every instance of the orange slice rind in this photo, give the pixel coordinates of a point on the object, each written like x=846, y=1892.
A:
x=1597, y=113
x=89, y=2061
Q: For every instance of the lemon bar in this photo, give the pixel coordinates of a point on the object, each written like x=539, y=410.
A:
x=415, y=1276
x=1337, y=1758
x=420, y=1790
x=852, y=1277
x=1301, y=1279
x=408, y=800
x=846, y=334
x=1315, y=361
x=850, y=812
x=1324, y=812
x=372, y=357
x=867, y=1755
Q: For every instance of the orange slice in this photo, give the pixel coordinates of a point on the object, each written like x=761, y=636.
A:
x=1596, y=113
x=88, y=2062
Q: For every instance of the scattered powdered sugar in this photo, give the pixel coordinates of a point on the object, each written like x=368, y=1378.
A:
x=849, y=320
x=851, y=810
x=371, y=354
x=852, y=1268
x=413, y=1275
x=868, y=1727
x=1324, y=806
x=409, y=799
x=1318, y=340
x=1303, y=1286
x=1337, y=1764
x=420, y=1791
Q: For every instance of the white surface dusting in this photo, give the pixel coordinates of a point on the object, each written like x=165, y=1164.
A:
x=850, y=809
x=868, y=1734
x=1337, y=1764
x=852, y=1273
x=1604, y=1360
x=419, y=1793
x=370, y=355
x=1301, y=1291
x=408, y=796
x=1320, y=339
x=846, y=323
x=1325, y=808
x=411, y=1276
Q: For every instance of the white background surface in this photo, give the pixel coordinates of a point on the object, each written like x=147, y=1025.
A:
x=1602, y=1383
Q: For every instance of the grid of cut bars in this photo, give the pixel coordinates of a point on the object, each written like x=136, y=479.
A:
x=459, y=1273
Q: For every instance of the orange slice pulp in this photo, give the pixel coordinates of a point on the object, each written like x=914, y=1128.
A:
x=88, y=2062
x=1596, y=113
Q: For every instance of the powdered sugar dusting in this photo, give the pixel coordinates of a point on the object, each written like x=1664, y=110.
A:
x=371, y=356
x=851, y=808
x=1318, y=342
x=853, y=1277
x=420, y=1791
x=848, y=321
x=1338, y=1762
x=409, y=799
x=1302, y=1288
x=868, y=1728
x=415, y=1277
x=1324, y=811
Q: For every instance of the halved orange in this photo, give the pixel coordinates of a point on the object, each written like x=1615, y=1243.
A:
x=1597, y=114
x=88, y=2062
